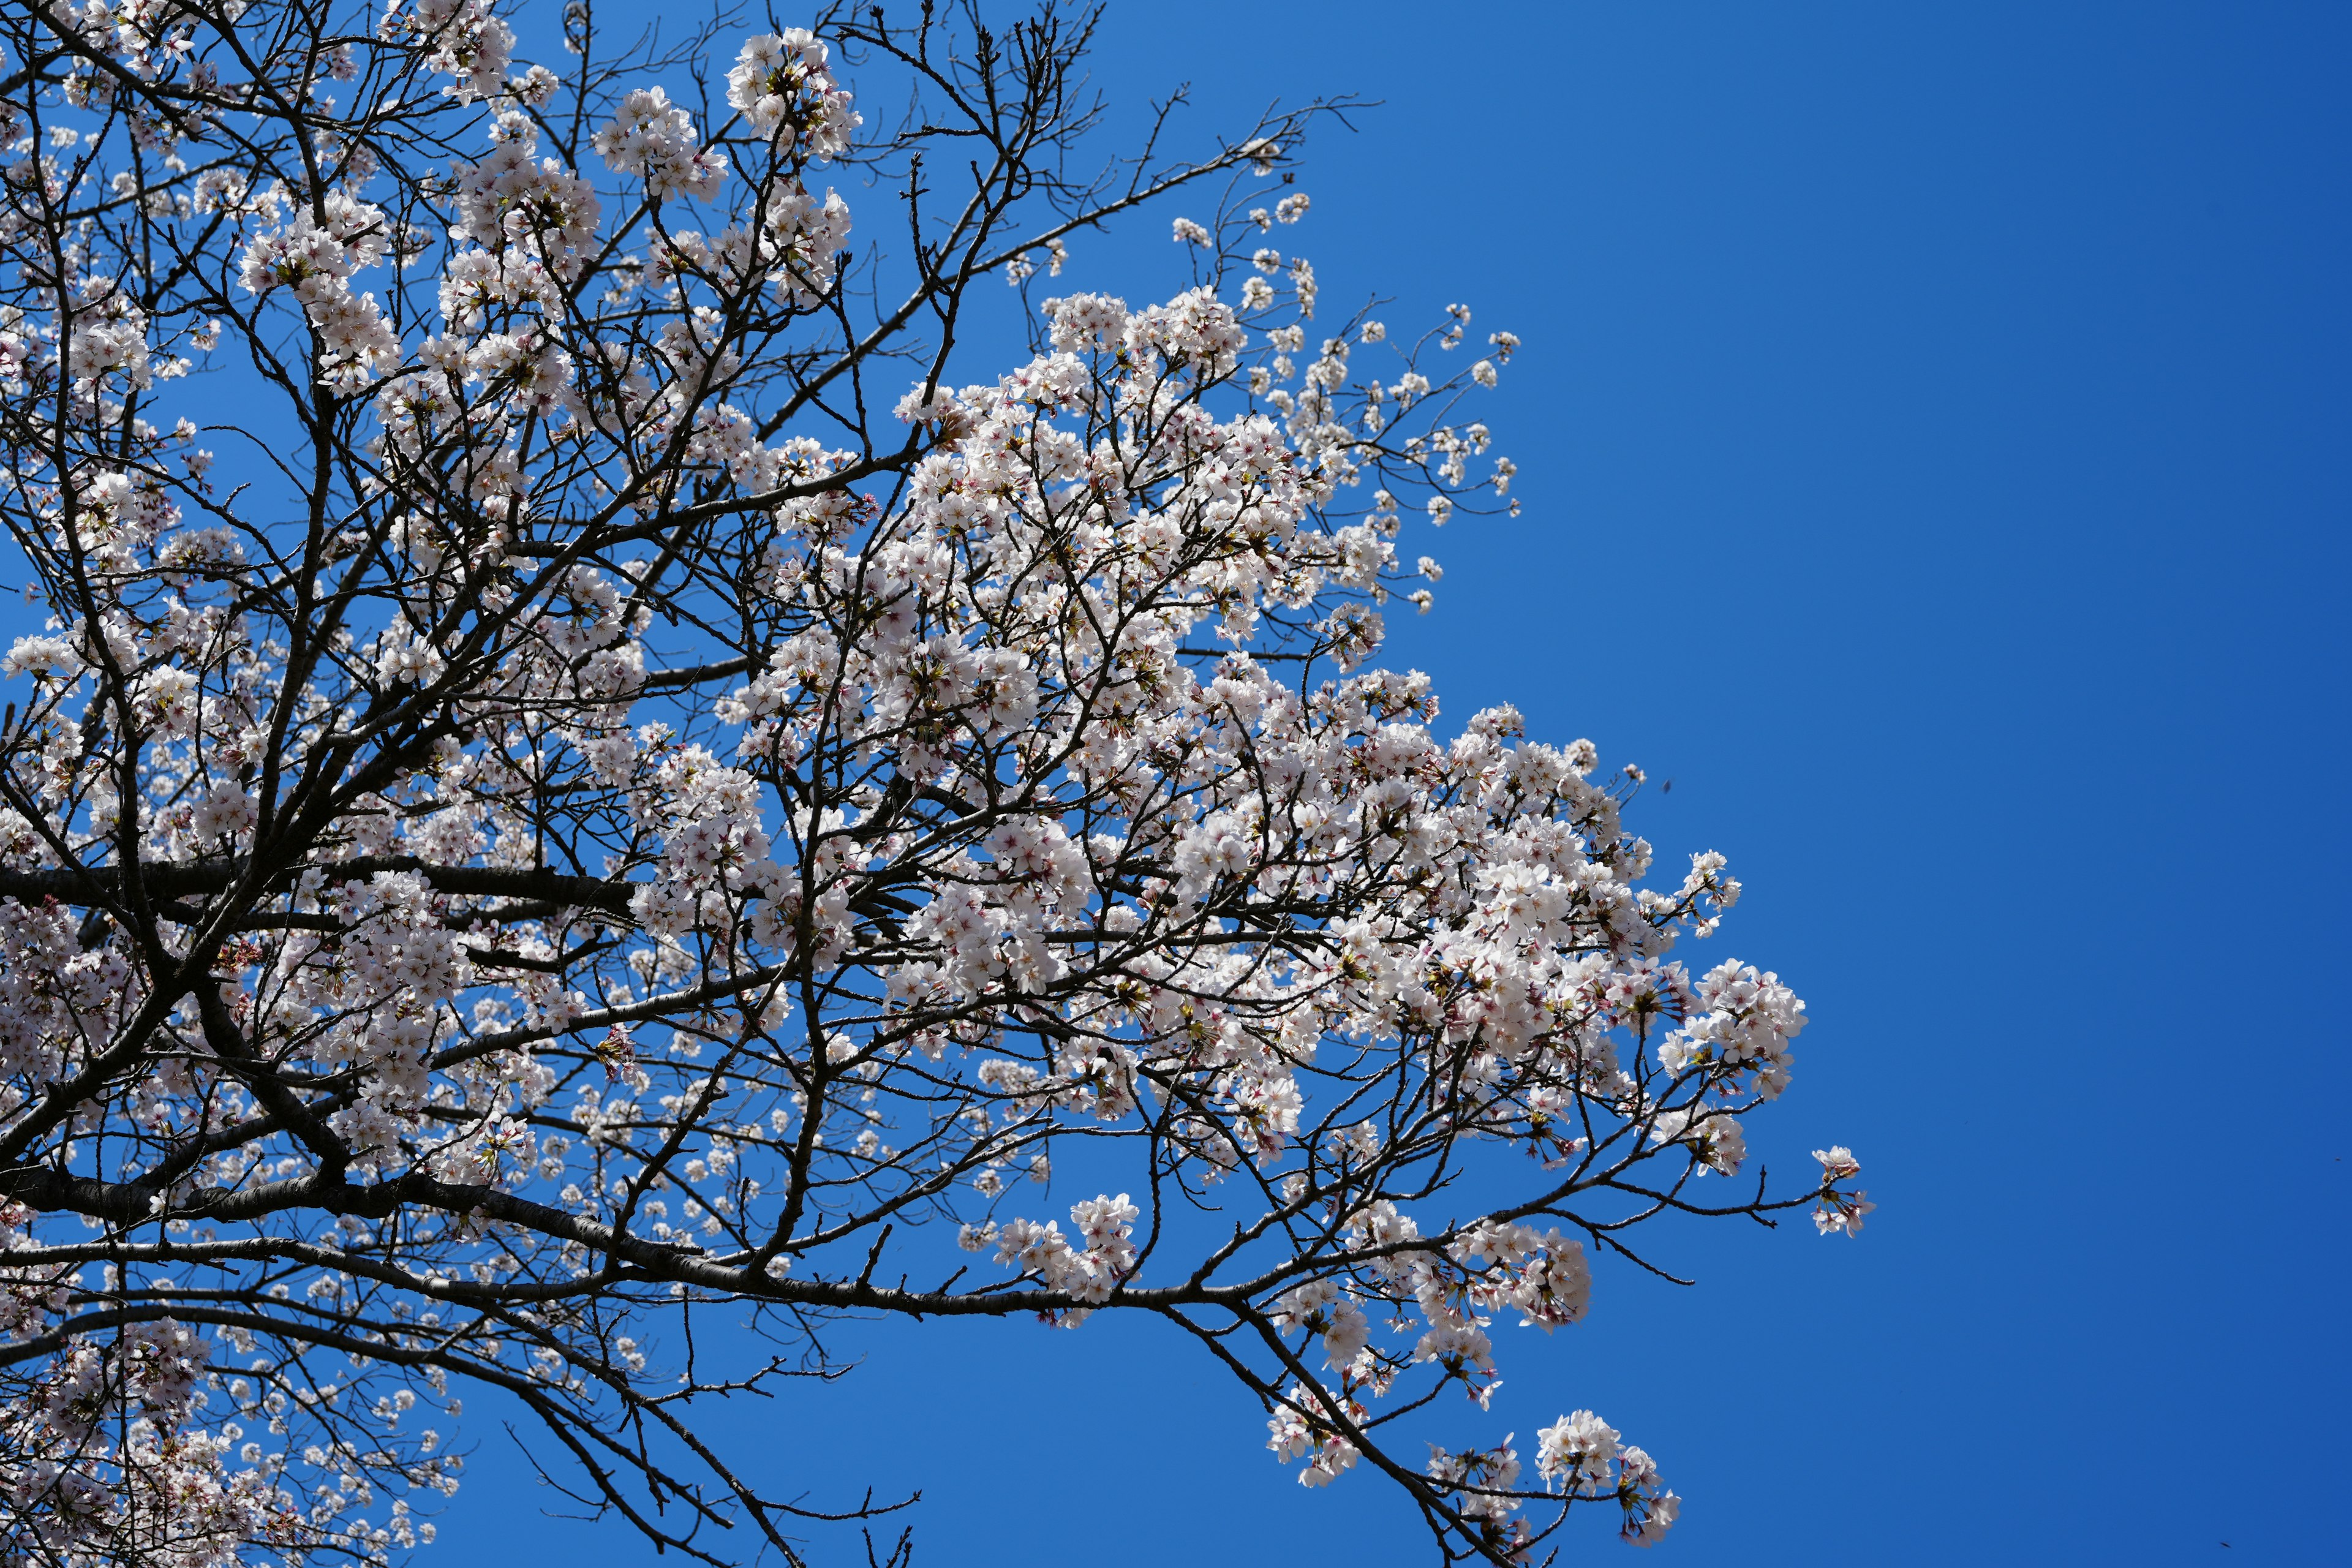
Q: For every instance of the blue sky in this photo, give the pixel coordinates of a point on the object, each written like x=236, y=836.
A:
x=1932, y=430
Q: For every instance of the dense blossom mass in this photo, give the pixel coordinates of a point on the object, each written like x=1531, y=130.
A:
x=636, y=786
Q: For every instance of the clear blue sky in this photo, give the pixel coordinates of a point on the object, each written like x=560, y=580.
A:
x=1982, y=371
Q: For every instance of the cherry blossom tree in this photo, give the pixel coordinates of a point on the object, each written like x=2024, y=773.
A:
x=642, y=791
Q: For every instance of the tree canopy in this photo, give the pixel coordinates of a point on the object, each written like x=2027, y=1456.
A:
x=639, y=788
